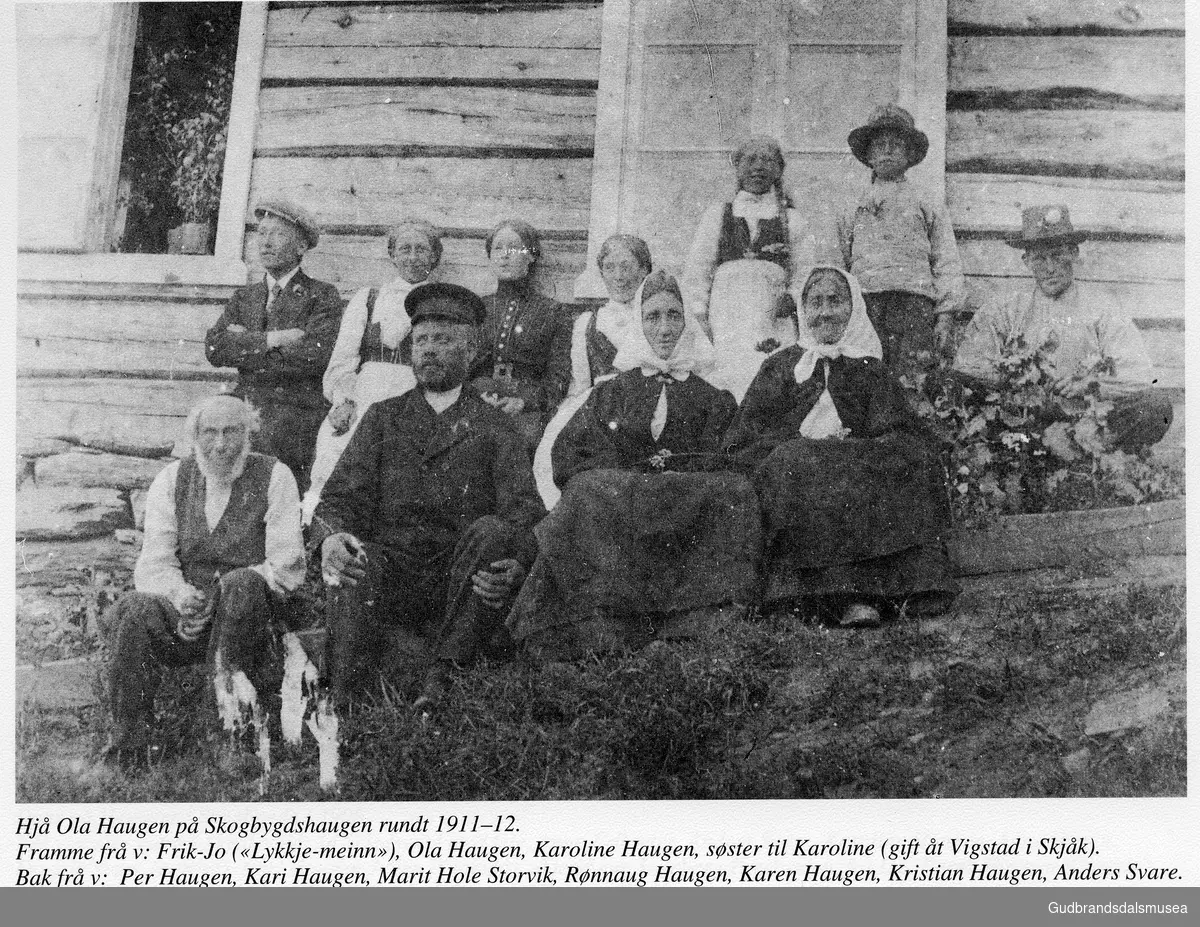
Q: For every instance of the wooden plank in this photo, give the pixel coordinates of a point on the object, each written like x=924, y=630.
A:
x=90, y=335
x=353, y=261
x=442, y=65
x=61, y=513
x=87, y=469
x=1025, y=542
x=454, y=193
x=112, y=413
x=1146, y=68
x=1124, y=144
x=399, y=25
x=1107, y=261
x=473, y=117
x=1099, y=15
x=993, y=203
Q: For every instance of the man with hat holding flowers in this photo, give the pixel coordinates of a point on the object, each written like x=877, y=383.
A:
x=279, y=333
x=425, y=524
x=899, y=243
x=1089, y=346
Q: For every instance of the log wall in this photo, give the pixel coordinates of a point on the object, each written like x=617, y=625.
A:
x=1080, y=103
x=470, y=112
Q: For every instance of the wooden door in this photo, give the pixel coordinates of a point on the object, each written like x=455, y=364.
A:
x=683, y=81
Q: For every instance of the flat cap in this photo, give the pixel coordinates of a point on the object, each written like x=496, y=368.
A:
x=446, y=301
x=290, y=212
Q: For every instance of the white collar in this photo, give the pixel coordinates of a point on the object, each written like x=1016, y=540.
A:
x=440, y=402
x=283, y=281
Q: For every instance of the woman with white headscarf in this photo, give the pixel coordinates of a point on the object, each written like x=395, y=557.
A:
x=653, y=535
x=372, y=357
x=852, y=491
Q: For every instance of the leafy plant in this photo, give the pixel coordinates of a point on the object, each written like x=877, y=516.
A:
x=1031, y=442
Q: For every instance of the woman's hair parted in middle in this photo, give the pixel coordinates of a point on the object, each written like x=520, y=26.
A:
x=820, y=272
x=634, y=245
x=660, y=282
x=431, y=232
x=529, y=236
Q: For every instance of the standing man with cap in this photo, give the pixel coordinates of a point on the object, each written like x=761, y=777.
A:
x=279, y=334
x=425, y=523
x=1087, y=342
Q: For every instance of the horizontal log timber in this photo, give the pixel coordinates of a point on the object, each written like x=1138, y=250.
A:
x=1025, y=542
x=1117, y=144
x=401, y=25
x=549, y=193
x=1116, y=16
x=473, y=117
x=128, y=399
x=1137, y=69
x=992, y=203
x=97, y=470
x=1157, y=301
x=129, y=336
x=446, y=66
x=1107, y=261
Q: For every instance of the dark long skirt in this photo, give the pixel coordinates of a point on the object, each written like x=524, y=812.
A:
x=864, y=518
x=622, y=547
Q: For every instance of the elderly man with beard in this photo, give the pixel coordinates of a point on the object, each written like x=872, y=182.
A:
x=425, y=524
x=221, y=552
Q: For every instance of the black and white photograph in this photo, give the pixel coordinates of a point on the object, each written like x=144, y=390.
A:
x=640, y=399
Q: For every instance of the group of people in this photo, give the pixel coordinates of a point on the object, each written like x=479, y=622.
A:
x=484, y=473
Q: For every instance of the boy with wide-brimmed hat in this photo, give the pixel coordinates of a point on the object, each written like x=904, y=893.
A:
x=1087, y=343
x=899, y=243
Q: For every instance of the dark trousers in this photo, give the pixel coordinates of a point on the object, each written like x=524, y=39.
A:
x=289, y=433
x=904, y=323
x=425, y=592
x=1139, y=420
x=146, y=644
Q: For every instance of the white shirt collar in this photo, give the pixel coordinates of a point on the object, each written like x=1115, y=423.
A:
x=283, y=281
x=440, y=402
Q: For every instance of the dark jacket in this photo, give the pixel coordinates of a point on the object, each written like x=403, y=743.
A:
x=531, y=333
x=612, y=429
x=870, y=403
x=288, y=375
x=415, y=480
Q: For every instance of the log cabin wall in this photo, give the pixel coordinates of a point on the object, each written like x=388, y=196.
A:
x=1080, y=103
x=462, y=113
x=466, y=113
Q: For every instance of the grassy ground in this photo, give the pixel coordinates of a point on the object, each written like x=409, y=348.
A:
x=992, y=699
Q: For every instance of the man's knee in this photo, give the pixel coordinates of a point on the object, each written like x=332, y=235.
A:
x=137, y=612
x=1140, y=420
x=490, y=538
x=245, y=595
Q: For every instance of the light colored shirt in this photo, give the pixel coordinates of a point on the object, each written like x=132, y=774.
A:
x=282, y=282
x=440, y=402
x=374, y=381
x=701, y=266
x=897, y=238
x=158, y=570
x=1081, y=327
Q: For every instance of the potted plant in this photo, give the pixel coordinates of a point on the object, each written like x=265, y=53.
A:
x=197, y=143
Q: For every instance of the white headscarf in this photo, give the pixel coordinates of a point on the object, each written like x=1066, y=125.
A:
x=615, y=320
x=858, y=340
x=693, y=352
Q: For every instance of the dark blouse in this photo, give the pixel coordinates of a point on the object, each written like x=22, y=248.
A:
x=868, y=400
x=612, y=429
x=528, y=337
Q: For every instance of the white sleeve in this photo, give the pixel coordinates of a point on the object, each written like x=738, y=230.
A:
x=581, y=369
x=284, y=567
x=158, y=571
x=342, y=372
x=701, y=263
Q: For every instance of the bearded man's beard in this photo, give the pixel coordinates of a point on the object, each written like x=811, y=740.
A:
x=215, y=471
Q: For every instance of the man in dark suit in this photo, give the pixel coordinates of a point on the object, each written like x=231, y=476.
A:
x=279, y=334
x=425, y=523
